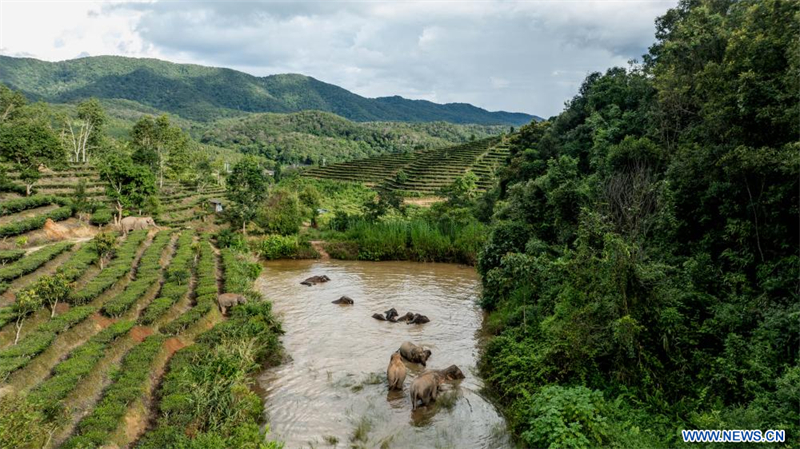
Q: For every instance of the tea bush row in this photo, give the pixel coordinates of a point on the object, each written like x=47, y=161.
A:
x=177, y=280
x=205, y=291
x=15, y=357
x=20, y=204
x=146, y=277
x=118, y=267
x=80, y=362
x=129, y=383
x=37, y=222
x=11, y=255
x=101, y=216
x=74, y=268
x=33, y=261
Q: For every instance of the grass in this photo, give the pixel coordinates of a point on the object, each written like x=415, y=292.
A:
x=361, y=430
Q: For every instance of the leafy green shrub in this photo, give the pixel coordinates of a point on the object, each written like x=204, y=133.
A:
x=37, y=222
x=33, y=261
x=342, y=250
x=101, y=216
x=127, y=386
x=275, y=246
x=118, y=267
x=281, y=214
x=11, y=255
x=69, y=372
x=22, y=423
x=220, y=410
x=15, y=357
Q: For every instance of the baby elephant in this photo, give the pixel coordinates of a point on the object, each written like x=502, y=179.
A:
x=418, y=319
x=396, y=372
x=450, y=373
x=228, y=300
x=414, y=353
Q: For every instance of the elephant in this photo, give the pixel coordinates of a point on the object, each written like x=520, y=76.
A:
x=450, y=373
x=418, y=319
x=344, y=300
x=391, y=314
x=314, y=280
x=396, y=372
x=378, y=317
x=128, y=224
x=425, y=388
x=414, y=353
x=228, y=300
x=407, y=317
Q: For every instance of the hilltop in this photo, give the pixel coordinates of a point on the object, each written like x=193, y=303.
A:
x=208, y=93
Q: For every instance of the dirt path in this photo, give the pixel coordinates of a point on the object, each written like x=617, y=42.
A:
x=319, y=246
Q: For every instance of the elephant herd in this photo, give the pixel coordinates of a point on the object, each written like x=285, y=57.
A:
x=425, y=387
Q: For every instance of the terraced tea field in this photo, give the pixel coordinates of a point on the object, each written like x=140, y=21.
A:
x=89, y=370
x=421, y=173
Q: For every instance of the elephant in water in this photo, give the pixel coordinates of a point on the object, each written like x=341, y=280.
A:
x=128, y=224
x=414, y=353
x=314, y=280
x=396, y=372
x=425, y=388
x=228, y=300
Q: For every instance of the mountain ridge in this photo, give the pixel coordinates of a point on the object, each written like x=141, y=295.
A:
x=208, y=93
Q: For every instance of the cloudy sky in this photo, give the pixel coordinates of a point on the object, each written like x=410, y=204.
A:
x=527, y=56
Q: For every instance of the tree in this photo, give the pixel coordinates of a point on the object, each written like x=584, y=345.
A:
x=51, y=289
x=28, y=144
x=160, y=146
x=248, y=187
x=27, y=302
x=10, y=102
x=281, y=213
x=104, y=244
x=85, y=133
x=129, y=185
x=80, y=201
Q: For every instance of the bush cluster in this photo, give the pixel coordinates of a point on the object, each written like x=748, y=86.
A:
x=33, y=261
x=177, y=280
x=197, y=406
x=29, y=202
x=66, y=375
x=239, y=272
x=15, y=357
x=205, y=291
x=37, y=222
x=83, y=258
x=118, y=267
x=11, y=255
x=101, y=216
x=146, y=277
x=128, y=385
x=274, y=246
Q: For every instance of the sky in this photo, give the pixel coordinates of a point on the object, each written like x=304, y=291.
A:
x=520, y=56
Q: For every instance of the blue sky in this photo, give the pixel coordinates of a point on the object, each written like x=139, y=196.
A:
x=527, y=56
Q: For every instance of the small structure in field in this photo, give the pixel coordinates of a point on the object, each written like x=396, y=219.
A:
x=216, y=204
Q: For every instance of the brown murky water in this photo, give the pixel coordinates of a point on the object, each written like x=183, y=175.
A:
x=333, y=392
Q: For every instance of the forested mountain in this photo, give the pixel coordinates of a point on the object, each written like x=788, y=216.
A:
x=642, y=270
x=314, y=136
x=207, y=93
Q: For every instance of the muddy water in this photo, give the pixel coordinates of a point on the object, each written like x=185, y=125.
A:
x=333, y=391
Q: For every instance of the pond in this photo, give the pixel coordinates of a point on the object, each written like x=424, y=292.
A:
x=333, y=391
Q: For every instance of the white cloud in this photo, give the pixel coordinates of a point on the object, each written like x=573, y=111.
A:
x=521, y=56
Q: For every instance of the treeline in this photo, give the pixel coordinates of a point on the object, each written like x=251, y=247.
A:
x=641, y=270
x=314, y=137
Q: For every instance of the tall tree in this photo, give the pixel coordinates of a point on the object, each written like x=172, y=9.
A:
x=159, y=145
x=130, y=185
x=248, y=187
x=84, y=134
x=28, y=144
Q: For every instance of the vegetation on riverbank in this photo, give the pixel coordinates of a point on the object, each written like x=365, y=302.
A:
x=641, y=271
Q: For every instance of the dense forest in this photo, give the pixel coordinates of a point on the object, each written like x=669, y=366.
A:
x=208, y=93
x=642, y=268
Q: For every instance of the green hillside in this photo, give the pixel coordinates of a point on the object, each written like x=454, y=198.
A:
x=321, y=137
x=207, y=93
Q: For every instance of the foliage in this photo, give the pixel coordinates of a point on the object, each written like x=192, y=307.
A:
x=33, y=261
x=643, y=244
x=27, y=144
x=247, y=190
x=118, y=267
x=77, y=265
x=104, y=244
x=22, y=424
x=205, y=293
x=11, y=255
x=160, y=146
x=36, y=222
x=272, y=247
x=101, y=216
x=130, y=185
x=175, y=285
x=20, y=204
x=127, y=386
x=52, y=289
x=281, y=213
